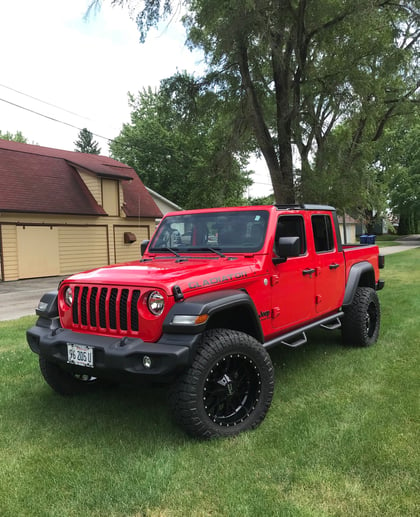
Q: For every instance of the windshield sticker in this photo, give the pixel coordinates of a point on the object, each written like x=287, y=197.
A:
x=214, y=280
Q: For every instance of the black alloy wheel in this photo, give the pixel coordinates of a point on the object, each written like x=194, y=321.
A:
x=232, y=390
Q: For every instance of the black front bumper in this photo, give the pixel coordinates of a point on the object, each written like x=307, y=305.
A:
x=114, y=357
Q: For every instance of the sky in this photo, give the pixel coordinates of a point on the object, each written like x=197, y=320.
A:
x=60, y=72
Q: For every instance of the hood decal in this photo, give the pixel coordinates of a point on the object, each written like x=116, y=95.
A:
x=214, y=280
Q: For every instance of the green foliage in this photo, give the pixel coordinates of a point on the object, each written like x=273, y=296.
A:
x=86, y=144
x=399, y=156
x=307, y=67
x=340, y=439
x=266, y=200
x=298, y=71
x=180, y=142
x=14, y=137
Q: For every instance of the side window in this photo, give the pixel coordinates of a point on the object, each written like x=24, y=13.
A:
x=292, y=226
x=323, y=234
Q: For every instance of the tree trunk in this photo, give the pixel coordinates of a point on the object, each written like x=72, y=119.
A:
x=280, y=166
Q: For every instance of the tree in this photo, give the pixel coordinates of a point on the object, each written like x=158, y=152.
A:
x=180, y=142
x=299, y=69
x=399, y=157
x=16, y=137
x=86, y=144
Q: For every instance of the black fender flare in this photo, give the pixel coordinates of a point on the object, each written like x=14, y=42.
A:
x=214, y=304
x=357, y=272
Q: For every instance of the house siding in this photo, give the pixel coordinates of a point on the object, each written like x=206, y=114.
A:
x=127, y=252
x=93, y=183
x=83, y=242
x=82, y=247
x=9, y=252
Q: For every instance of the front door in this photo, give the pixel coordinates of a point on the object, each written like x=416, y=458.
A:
x=293, y=282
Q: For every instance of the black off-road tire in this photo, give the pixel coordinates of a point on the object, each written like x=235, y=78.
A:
x=228, y=388
x=65, y=382
x=361, y=322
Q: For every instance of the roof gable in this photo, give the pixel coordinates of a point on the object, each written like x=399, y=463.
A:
x=45, y=180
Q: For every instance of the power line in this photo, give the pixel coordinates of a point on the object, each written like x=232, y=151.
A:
x=53, y=119
x=44, y=102
x=110, y=140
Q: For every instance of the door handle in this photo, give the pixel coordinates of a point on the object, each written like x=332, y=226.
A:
x=308, y=271
x=334, y=266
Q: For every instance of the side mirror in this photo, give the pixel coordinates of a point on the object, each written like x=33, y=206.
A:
x=286, y=247
x=143, y=246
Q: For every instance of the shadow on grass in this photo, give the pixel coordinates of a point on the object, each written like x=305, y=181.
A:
x=130, y=414
x=124, y=416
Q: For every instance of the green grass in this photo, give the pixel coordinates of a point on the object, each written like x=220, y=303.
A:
x=388, y=239
x=340, y=439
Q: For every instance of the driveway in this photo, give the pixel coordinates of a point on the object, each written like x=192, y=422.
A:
x=20, y=298
x=404, y=244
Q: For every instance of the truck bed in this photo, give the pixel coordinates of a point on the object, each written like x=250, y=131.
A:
x=354, y=253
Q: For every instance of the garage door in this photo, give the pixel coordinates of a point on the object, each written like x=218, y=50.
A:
x=37, y=248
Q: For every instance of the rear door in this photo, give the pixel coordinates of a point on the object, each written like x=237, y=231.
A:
x=329, y=264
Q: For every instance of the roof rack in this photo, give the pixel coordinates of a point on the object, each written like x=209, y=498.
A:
x=303, y=206
x=290, y=206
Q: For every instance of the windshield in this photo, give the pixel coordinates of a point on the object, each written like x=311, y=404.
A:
x=215, y=232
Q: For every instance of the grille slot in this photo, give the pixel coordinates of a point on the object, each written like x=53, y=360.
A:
x=90, y=308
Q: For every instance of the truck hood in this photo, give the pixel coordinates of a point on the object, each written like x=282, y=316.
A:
x=190, y=274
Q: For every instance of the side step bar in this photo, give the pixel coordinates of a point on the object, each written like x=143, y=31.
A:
x=299, y=336
x=299, y=341
x=335, y=324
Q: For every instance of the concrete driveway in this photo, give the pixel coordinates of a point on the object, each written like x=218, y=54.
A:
x=20, y=298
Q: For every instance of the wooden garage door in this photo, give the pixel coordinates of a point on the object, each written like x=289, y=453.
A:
x=37, y=248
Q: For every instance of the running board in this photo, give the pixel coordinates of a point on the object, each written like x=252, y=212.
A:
x=334, y=325
x=298, y=342
x=299, y=334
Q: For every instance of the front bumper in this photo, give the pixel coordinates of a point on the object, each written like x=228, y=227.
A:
x=114, y=357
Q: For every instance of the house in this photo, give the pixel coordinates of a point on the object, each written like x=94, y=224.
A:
x=348, y=235
x=164, y=204
x=63, y=212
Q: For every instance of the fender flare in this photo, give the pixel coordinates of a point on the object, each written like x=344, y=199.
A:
x=360, y=269
x=214, y=303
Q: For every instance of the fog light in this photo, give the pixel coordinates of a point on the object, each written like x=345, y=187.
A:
x=147, y=362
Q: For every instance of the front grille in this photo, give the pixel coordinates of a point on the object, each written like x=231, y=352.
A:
x=89, y=309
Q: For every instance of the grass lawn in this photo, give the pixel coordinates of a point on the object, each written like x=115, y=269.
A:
x=341, y=437
x=388, y=239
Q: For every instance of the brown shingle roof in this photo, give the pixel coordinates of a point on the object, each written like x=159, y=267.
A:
x=45, y=180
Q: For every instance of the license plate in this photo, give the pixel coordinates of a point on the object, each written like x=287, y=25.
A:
x=80, y=355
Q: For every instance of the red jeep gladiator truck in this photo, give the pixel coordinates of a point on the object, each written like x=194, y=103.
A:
x=214, y=290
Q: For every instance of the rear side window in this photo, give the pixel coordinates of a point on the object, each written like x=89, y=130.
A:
x=292, y=226
x=323, y=234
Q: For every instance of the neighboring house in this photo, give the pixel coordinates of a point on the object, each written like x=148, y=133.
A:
x=350, y=232
x=163, y=203
x=63, y=212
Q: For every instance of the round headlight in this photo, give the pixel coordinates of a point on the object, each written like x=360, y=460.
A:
x=68, y=296
x=156, y=303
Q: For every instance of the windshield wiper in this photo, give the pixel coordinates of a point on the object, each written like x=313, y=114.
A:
x=166, y=248
x=208, y=248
